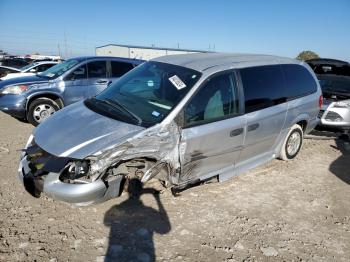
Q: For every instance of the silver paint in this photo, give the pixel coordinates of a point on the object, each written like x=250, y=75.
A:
x=189, y=154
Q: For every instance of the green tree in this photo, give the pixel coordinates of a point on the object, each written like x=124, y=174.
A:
x=307, y=55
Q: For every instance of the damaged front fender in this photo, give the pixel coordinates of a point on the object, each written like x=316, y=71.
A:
x=158, y=142
x=156, y=147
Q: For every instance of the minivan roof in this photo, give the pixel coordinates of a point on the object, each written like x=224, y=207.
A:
x=203, y=61
x=82, y=58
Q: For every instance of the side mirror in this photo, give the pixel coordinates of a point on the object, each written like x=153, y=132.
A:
x=33, y=70
x=79, y=72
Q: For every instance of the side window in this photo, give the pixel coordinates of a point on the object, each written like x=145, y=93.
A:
x=299, y=81
x=77, y=74
x=42, y=68
x=215, y=100
x=120, y=68
x=97, y=69
x=263, y=87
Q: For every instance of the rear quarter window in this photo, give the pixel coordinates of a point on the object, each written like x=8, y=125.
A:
x=263, y=87
x=299, y=81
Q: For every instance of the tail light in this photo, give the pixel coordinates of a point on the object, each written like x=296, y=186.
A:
x=320, y=101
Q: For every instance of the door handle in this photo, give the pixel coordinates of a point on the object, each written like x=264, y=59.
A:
x=102, y=81
x=253, y=127
x=236, y=132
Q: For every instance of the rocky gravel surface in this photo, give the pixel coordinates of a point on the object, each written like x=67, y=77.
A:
x=282, y=211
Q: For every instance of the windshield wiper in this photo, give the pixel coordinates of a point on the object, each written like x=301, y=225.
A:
x=120, y=106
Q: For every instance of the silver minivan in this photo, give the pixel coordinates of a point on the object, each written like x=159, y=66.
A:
x=180, y=119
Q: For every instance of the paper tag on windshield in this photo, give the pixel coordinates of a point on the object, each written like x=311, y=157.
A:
x=177, y=82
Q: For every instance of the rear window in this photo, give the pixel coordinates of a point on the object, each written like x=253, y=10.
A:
x=97, y=69
x=263, y=87
x=120, y=68
x=327, y=69
x=299, y=81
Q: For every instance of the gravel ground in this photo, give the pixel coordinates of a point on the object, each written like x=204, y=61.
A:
x=282, y=211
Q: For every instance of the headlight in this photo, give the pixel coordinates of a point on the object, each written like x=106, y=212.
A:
x=76, y=169
x=342, y=104
x=15, y=90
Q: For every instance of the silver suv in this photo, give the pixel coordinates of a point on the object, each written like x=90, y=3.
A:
x=180, y=119
x=334, y=77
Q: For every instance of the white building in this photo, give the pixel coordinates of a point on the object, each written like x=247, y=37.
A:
x=140, y=52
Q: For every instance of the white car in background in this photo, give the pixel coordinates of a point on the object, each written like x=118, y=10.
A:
x=31, y=69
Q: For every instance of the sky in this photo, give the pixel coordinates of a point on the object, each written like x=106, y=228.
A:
x=76, y=27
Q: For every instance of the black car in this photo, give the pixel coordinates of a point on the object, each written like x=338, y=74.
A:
x=13, y=62
x=334, y=78
x=4, y=70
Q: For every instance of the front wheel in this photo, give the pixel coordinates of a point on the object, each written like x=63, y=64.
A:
x=293, y=143
x=41, y=109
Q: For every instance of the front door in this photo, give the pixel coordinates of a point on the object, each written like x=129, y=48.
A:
x=75, y=85
x=213, y=132
x=97, y=77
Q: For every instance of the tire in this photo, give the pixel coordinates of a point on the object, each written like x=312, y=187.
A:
x=292, y=144
x=40, y=109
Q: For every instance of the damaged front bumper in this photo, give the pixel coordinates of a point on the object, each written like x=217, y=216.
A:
x=51, y=184
x=151, y=154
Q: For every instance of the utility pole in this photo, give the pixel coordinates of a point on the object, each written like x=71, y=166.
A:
x=65, y=44
x=59, y=50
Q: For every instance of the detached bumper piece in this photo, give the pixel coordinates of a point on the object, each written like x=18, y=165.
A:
x=40, y=172
x=33, y=185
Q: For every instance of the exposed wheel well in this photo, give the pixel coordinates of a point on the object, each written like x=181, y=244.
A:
x=53, y=97
x=303, y=124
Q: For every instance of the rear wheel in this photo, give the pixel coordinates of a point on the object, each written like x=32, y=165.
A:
x=293, y=143
x=41, y=109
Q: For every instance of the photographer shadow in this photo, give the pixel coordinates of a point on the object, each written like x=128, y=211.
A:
x=132, y=225
x=341, y=166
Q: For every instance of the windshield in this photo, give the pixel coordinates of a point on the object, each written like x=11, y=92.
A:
x=146, y=94
x=24, y=68
x=59, y=69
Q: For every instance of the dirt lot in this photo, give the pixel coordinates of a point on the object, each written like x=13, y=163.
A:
x=281, y=211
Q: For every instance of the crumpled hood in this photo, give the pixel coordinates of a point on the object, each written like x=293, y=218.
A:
x=78, y=132
x=22, y=80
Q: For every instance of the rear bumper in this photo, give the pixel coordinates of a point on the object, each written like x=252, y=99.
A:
x=79, y=194
x=14, y=105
